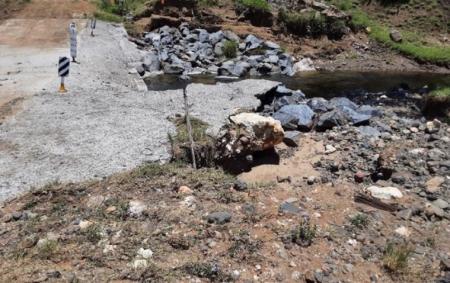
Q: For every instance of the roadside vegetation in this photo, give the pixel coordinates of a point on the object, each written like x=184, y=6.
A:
x=111, y=11
x=413, y=30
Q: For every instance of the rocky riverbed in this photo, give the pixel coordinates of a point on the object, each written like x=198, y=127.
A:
x=363, y=202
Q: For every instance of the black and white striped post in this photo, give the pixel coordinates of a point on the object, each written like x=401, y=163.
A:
x=73, y=41
x=63, y=71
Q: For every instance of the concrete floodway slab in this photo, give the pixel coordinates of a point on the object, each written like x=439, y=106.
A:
x=104, y=124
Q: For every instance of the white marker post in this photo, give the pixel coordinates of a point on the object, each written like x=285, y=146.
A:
x=73, y=41
x=93, y=24
x=63, y=71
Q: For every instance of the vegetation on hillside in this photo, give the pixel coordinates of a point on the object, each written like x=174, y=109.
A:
x=418, y=18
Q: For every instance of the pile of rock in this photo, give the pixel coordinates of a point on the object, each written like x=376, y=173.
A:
x=295, y=112
x=182, y=49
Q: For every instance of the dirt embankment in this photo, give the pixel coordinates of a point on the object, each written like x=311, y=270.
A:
x=354, y=51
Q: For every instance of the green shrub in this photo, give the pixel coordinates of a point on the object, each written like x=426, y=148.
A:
x=230, y=49
x=303, y=234
x=312, y=24
x=255, y=4
x=443, y=93
x=360, y=220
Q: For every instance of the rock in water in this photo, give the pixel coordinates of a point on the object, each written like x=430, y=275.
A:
x=295, y=117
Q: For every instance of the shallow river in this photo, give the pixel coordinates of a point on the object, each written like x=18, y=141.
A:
x=326, y=84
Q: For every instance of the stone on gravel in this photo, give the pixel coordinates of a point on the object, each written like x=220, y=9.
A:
x=432, y=127
x=384, y=192
x=145, y=253
x=329, y=149
x=295, y=117
x=151, y=62
x=395, y=35
x=304, y=65
x=369, y=131
x=136, y=208
x=185, y=190
x=339, y=102
x=292, y=138
x=220, y=217
x=432, y=210
x=261, y=132
x=318, y=104
x=331, y=119
x=403, y=231
x=434, y=184
x=442, y=204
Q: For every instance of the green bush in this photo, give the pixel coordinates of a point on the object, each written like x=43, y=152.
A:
x=255, y=4
x=312, y=24
x=230, y=49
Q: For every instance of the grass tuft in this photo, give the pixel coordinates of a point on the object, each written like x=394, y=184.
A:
x=230, y=49
x=261, y=5
x=396, y=257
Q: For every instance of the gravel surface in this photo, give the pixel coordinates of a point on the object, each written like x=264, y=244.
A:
x=106, y=123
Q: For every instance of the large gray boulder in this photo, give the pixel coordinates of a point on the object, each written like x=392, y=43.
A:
x=295, y=117
x=252, y=42
x=331, y=119
x=339, y=102
x=319, y=104
x=151, y=62
x=354, y=117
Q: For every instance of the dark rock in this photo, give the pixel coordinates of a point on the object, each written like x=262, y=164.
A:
x=295, y=117
x=370, y=110
x=318, y=104
x=219, y=217
x=291, y=138
x=354, y=117
x=331, y=119
x=290, y=208
x=240, y=185
x=295, y=98
x=339, y=102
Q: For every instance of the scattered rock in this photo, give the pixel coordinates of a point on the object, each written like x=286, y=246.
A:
x=292, y=138
x=395, y=35
x=434, y=184
x=295, y=117
x=185, y=190
x=221, y=217
x=385, y=192
x=136, y=208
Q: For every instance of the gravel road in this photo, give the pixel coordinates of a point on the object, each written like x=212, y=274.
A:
x=106, y=123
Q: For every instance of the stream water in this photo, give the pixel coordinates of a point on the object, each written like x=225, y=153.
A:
x=325, y=84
